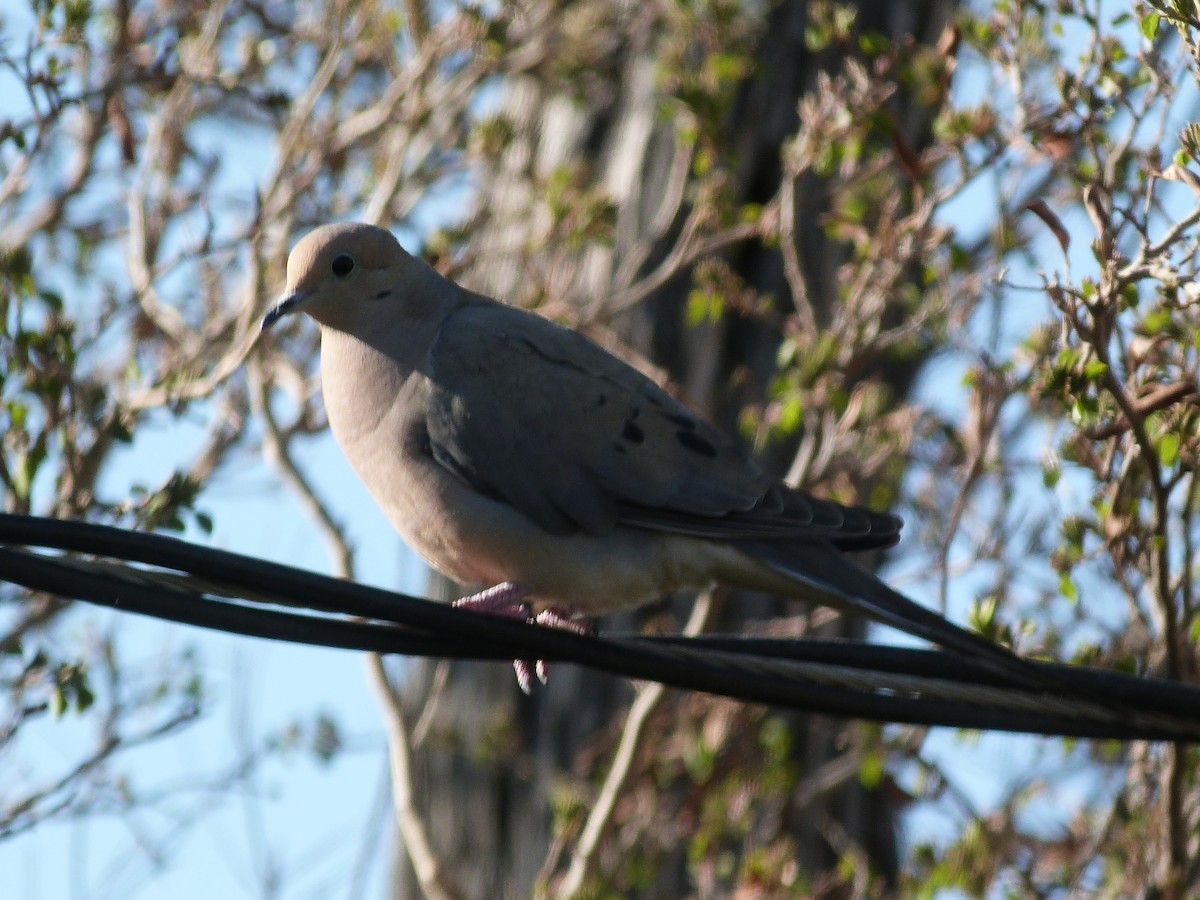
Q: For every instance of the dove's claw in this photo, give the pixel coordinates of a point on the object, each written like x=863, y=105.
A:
x=524, y=678
x=504, y=599
x=508, y=599
x=560, y=618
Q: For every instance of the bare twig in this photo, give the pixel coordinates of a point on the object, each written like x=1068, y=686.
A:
x=436, y=883
x=643, y=705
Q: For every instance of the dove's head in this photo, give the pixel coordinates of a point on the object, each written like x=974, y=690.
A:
x=339, y=273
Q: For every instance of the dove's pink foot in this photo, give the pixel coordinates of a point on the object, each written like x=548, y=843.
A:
x=555, y=617
x=504, y=599
x=507, y=599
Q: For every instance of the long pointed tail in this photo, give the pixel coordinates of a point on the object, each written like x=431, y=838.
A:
x=830, y=577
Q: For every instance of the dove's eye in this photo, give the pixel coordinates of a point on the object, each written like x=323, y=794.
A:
x=343, y=264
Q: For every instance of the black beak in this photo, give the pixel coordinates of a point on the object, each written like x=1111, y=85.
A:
x=287, y=305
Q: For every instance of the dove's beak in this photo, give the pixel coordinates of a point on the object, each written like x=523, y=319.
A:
x=288, y=304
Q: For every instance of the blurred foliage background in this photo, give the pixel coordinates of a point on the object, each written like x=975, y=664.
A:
x=933, y=257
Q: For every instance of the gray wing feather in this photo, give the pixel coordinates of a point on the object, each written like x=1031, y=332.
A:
x=537, y=415
x=541, y=417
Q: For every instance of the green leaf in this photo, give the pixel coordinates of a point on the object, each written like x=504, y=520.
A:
x=1067, y=587
x=873, y=43
x=1168, y=448
x=58, y=701
x=27, y=465
x=791, y=413
x=1074, y=530
x=16, y=263
x=1149, y=24
x=77, y=14
x=1129, y=297
x=1156, y=321
x=870, y=770
x=982, y=615
x=776, y=739
x=1084, y=411
x=750, y=212
x=703, y=306
x=1051, y=474
x=17, y=414
x=84, y=697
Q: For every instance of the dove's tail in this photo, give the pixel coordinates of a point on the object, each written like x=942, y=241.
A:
x=829, y=577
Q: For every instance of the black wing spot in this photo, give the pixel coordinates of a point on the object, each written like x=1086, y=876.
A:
x=682, y=421
x=632, y=432
x=696, y=443
x=601, y=400
x=619, y=448
x=382, y=294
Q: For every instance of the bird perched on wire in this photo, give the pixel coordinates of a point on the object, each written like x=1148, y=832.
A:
x=510, y=451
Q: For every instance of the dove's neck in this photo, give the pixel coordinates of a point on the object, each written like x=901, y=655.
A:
x=360, y=385
x=368, y=365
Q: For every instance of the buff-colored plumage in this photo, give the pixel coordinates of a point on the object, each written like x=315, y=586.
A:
x=506, y=448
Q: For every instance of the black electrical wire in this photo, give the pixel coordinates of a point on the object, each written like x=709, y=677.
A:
x=237, y=594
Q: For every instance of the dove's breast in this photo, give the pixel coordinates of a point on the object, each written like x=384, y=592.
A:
x=376, y=413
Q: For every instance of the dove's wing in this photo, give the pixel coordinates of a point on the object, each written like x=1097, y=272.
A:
x=537, y=415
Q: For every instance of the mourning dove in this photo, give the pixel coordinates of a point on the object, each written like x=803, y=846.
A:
x=508, y=450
